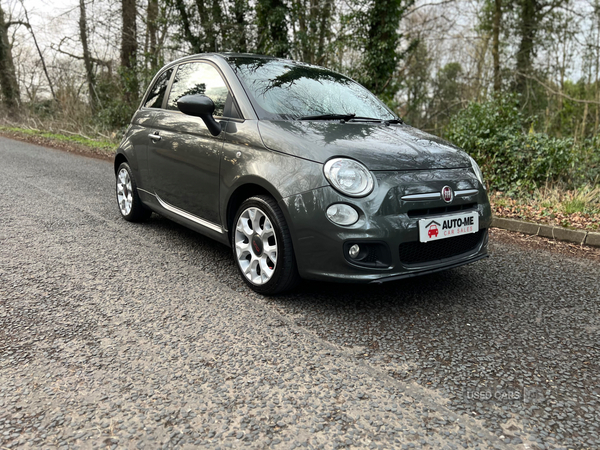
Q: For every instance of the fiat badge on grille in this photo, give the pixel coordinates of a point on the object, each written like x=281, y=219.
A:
x=447, y=194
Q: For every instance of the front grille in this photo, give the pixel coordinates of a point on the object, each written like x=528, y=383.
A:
x=440, y=210
x=425, y=252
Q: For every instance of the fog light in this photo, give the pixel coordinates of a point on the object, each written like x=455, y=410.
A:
x=354, y=251
x=342, y=214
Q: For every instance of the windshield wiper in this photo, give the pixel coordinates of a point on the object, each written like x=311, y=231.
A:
x=329, y=117
x=350, y=118
x=373, y=119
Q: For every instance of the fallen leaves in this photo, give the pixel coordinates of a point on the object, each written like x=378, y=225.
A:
x=545, y=209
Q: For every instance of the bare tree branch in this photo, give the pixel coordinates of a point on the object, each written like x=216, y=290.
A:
x=28, y=25
x=559, y=93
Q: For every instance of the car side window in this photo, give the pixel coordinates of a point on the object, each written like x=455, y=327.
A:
x=157, y=93
x=198, y=78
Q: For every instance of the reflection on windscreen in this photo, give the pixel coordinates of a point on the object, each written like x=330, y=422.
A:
x=284, y=90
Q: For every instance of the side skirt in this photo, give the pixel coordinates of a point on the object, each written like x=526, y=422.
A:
x=202, y=226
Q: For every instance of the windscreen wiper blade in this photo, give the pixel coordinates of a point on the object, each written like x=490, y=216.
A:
x=368, y=119
x=329, y=117
x=373, y=119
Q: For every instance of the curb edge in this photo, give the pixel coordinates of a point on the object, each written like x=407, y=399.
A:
x=579, y=237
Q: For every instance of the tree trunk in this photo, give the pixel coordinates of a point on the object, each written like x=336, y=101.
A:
x=129, y=49
x=39, y=50
x=526, y=51
x=239, y=12
x=8, y=76
x=152, y=16
x=300, y=10
x=271, y=18
x=584, y=121
x=87, y=59
x=480, y=67
x=381, y=50
x=496, y=44
x=597, y=85
x=216, y=25
x=324, y=31
x=185, y=24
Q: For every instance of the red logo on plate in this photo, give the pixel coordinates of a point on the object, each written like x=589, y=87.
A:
x=433, y=231
x=447, y=194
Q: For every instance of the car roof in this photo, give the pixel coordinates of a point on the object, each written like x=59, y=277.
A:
x=227, y=56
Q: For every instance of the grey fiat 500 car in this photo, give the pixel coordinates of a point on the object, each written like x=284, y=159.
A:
x=302, y=171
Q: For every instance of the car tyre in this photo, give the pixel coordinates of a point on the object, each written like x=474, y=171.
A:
x=130, y=206
x=262, y=246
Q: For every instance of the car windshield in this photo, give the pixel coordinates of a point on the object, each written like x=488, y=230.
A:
x=286, y=90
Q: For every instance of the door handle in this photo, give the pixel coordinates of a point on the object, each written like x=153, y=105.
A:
x=155, y=137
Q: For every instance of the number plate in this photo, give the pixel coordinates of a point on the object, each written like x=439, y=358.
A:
x=436, y=228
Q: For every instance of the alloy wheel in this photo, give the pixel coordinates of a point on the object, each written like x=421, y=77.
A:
x=124, y=191
x=256, y=246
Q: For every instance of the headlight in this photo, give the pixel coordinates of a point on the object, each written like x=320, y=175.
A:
x=477, y=171
x=349, y=177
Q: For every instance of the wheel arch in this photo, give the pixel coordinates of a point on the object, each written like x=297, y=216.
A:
x=239, y=195
x=120, y=158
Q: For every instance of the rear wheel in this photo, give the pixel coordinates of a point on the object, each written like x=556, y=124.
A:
x=262, y=246
x=129, y=202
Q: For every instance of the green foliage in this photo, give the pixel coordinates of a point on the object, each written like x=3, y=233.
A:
x=447, y=95
x=416, y=77
x=375, y=34
x=574, y=206
x=514, y=158
x=113, y=111
x=272, y=23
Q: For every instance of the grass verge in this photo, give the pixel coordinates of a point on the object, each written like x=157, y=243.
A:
x=73, y=142
x=578, y=209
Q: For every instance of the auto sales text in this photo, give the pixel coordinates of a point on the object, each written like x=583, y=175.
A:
x=460, y=222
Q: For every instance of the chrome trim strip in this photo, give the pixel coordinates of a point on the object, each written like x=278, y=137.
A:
x=436, y=195
x=421, y=197
x=146, y=192
x=188, y=216
x=466, y=192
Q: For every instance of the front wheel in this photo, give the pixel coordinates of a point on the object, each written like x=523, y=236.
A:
x=130, y=205
x=262, y=246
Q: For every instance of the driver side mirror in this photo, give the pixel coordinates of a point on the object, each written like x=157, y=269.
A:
x=200, y=106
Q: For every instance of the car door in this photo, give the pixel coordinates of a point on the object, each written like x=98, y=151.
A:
x=183, y=156
x=141, y=126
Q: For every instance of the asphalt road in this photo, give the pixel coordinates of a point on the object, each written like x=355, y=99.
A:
x=142, y=336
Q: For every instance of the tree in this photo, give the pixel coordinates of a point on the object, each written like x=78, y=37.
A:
x=312, y=28
x=447, y=97
x=87, y=59
x=152, y=36
x=273, y=24
x=416, y=77
x=381, y=42
x=129, y=50
x=496, y=21
x=8, y=76
x=531, y=17
x=239, y=39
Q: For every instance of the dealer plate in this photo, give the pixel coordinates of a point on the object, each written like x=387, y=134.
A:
x=436, y=228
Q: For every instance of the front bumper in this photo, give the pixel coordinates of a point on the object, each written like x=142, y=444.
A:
x=386, y=220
